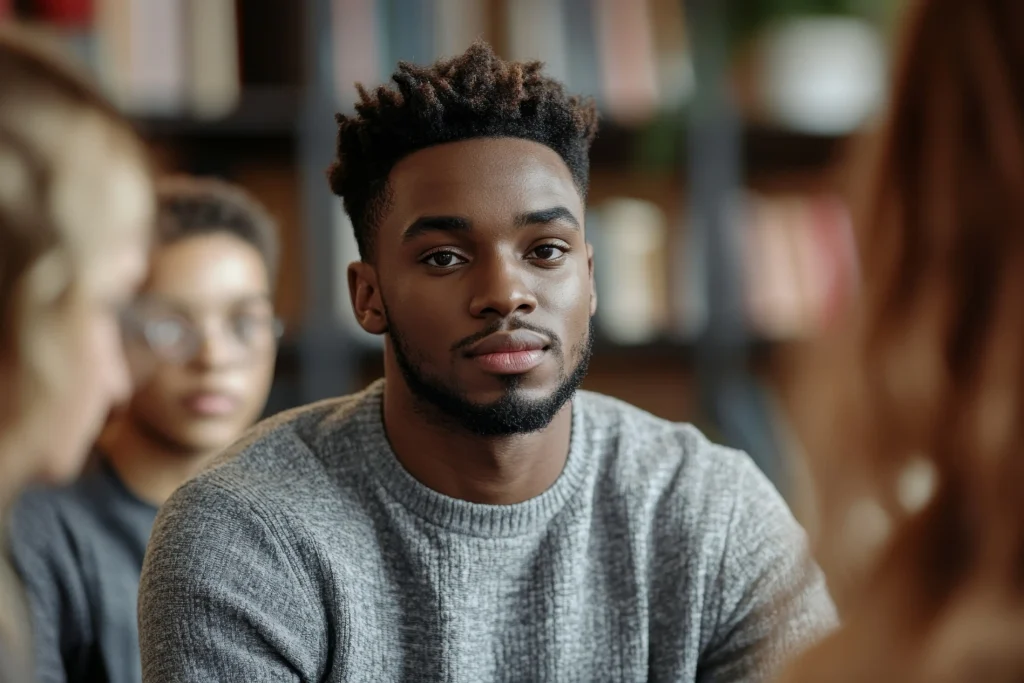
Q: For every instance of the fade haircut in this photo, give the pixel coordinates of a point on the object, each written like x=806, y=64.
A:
x=473, y=95
x=190, y=207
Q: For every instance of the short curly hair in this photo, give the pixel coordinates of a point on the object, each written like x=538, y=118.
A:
x=473, y=95
x=189, y=206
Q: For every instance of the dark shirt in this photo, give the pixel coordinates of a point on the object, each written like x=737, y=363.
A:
x=79, y=552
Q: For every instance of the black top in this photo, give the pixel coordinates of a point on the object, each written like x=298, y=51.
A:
x=79, y=551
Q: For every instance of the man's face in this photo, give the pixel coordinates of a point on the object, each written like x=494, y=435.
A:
x=210, y=362
x=484, y=282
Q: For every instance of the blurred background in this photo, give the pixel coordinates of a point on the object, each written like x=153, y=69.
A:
x=719, y=191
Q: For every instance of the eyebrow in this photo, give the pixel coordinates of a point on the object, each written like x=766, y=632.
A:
x=428, y=224
x=555, y=213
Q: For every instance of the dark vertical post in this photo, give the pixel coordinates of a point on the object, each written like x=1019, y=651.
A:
x=327, y=365
x=731, y=397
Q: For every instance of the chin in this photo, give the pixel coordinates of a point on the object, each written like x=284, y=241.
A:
x=63, y=467
x=209, y=440
x=494, y=394
x=529, y=386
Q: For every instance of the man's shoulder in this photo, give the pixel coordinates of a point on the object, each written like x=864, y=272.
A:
x=644, y=449
x=670, y=476
x=705, y=509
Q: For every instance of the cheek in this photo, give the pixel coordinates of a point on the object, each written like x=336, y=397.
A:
x=565, y=292
x=160, y=388
x=100, y=366
x=258, y=379
x=428, y=313
x=565, y=301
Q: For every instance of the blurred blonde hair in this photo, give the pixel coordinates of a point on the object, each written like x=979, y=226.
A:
x=915, y=424
x=65, y=155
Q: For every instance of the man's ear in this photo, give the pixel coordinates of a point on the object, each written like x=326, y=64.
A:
x=366, y=300
x=593, y=286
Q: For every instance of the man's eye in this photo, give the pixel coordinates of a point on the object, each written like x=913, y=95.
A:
x=548, y=252
x=442, y=259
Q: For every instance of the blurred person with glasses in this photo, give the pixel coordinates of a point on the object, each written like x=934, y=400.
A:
x=76, y=207
x=201, y=342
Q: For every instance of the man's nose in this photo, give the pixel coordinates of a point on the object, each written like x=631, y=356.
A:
x=501, y=289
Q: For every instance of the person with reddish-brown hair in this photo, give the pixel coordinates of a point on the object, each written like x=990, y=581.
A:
x=76, y=205
x=918, y=458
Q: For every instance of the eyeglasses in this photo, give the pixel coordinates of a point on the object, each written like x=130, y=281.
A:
x=174, y=336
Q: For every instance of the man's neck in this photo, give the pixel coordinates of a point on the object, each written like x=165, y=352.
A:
x=150, y=470
x=491, y=470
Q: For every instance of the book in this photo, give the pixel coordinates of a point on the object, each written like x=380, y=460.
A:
x=536, y=31
x=213, y=77
x=142, y=58
x=584, y=64
x=800, y=263
x=625, y=34
x=674, y=68
x=64, y=13
x=457, y=24
x=356, y=48
x=113, y=32
x=274, y=184
x=632, y=267
x=409, y=27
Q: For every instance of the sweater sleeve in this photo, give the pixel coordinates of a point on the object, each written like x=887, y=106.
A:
x=772, y=598
x=223, y=597
x=44, y=558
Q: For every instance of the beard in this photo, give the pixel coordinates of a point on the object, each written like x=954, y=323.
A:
x=515, y=412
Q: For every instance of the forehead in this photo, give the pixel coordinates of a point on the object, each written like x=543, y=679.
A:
x=210, y=267
x=480, y=177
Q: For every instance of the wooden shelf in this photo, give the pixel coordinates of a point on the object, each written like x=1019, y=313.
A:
x=766, y=149
x=769, y=149
x=271, y=111
x=274, y=112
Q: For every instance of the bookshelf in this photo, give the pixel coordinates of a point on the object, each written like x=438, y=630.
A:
x=279, y=138
x=262, y=112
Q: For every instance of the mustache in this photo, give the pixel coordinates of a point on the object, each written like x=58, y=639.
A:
x=507, y=326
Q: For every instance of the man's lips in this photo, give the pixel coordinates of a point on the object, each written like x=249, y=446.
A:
x=509, y=353
x=509, y=342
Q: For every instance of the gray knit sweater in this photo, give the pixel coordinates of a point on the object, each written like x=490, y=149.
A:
x=309, y=554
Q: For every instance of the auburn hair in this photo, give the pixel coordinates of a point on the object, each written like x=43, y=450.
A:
x=918, y=452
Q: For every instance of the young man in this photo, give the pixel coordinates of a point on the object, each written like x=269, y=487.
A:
x=472, y=517
x=202, y=340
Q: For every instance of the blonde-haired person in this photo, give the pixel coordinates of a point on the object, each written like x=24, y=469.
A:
x=202, y=341
x=919, y=460
x=75, y=212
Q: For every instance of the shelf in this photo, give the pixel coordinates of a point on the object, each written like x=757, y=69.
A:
x=661, y=146
x=274, y=112
x=262, y=112
x=770, y=149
